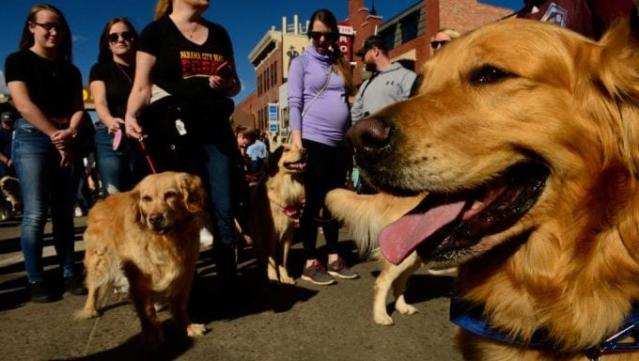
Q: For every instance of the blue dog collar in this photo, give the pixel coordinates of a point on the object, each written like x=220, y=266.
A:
x=470, y=317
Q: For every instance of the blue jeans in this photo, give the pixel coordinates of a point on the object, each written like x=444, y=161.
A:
x=218, y=182
x=44, y=184
x=115, y=167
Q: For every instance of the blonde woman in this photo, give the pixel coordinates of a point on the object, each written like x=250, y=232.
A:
x=192, y=59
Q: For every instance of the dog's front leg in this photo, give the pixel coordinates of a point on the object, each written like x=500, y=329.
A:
x=286, y=247
x=412, y=263
x=388, y=277
x=179, y=305
x=152, y=334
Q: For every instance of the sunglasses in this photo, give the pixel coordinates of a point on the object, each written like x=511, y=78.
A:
x=115, y=37
x=50, y=26
x=436, y=44
x=317, y=35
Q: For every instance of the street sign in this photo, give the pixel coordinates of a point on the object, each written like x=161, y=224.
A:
x=273, y=121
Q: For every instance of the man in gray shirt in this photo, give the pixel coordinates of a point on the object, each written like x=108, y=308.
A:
x=389, y=83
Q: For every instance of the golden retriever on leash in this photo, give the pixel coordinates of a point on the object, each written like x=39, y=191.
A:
x=151, y=236
x=526, y=135
x=275, y=209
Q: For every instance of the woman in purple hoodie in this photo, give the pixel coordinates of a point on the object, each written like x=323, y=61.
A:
x=319, y=84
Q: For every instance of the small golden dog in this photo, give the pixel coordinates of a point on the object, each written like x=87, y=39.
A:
x=275, y=209
x=526, y=136
x=366, y=215
x=149, y=235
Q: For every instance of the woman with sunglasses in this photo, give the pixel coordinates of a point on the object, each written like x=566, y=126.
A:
x=110, y=81
x=319, y=85
x=192, y=59
x=47, y=91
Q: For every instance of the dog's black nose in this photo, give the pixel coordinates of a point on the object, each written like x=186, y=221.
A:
x=155, y=219
x=370, y=134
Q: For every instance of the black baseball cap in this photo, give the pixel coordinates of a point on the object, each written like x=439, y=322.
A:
x=373, y=41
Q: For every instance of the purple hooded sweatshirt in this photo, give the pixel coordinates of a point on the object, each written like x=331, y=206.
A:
x=328, y=117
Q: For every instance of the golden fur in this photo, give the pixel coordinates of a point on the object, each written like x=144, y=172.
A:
x=149, y=235
x=365, y=216
x=570, y=264
x=268, y=227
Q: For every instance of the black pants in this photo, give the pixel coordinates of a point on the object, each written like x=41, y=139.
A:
x=326, y=169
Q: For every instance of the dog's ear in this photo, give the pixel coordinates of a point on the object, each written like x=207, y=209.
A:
x=616, y=73
x=135, y=211
x=192, y=191
x=274, y=159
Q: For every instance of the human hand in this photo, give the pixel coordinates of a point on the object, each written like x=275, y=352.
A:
x=296, y=139
x=114, y=125
x=132, y=127
x=62, y=137
x=65, y=157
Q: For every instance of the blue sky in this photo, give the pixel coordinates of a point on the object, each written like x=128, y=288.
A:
x=245, y=20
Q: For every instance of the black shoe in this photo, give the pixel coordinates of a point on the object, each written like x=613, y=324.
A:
x=74, y=286
x=41, y=292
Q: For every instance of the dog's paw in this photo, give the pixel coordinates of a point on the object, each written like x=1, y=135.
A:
x=383, y=319
x=287, y=280
x=85, y=314
x=196, y=329
x=405, y=309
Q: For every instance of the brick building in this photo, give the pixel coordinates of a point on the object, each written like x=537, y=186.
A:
x=407, y=34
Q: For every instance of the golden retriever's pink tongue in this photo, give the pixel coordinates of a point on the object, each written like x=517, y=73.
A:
x=400, y=238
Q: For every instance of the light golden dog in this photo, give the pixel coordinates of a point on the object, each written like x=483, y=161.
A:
x=526, y=135
x=365, y=216
x=275, y=209
x=149, y=235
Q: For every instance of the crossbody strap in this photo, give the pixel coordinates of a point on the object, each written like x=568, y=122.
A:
x=328, y=77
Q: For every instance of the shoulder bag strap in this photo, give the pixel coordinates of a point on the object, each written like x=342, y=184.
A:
x=328, y=77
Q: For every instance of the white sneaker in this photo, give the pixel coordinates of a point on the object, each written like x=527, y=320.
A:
x=78, y=212
x=206, y=238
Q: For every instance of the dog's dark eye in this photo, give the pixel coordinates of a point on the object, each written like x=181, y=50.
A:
x=488, y=74
x=169, y=195
x=146, y=199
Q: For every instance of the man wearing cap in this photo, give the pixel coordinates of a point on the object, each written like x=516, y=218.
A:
x=389, y=83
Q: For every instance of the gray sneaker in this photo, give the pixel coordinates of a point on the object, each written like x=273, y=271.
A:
x=339, y=269
x=317, y=274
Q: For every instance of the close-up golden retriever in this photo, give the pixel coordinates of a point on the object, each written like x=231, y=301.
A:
x=526, y=136
x=274, y=211
x=149, y=235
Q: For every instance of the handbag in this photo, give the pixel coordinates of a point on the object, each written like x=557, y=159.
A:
x=170, y=137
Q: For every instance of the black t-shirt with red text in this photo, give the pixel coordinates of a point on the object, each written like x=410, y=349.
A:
x=182, y=67
x=55, y=86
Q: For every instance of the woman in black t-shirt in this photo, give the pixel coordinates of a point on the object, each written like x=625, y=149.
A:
x=110, y=82
x=192, y=59
x=47, y=91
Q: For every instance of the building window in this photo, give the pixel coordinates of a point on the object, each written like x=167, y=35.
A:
x=275, y=73
x=409, y=26
x=259, y=84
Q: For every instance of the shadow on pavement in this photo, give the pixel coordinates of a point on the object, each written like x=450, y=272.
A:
x=177, y=343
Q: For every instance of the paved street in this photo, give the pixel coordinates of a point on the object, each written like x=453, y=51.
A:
x=260, y=322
